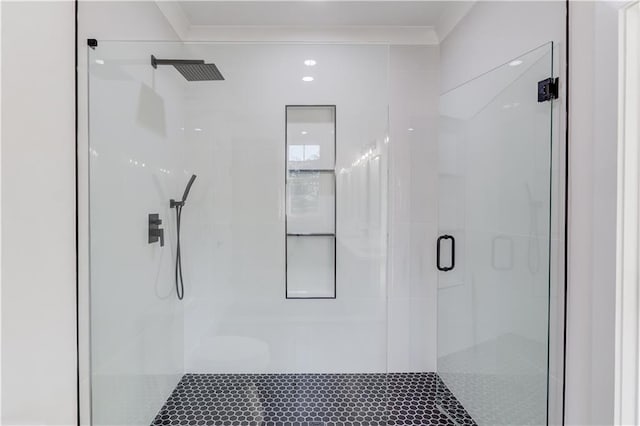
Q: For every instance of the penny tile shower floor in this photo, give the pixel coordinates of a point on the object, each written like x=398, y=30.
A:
x=311, y=400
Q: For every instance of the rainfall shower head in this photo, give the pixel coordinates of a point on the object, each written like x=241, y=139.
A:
x=191, y=69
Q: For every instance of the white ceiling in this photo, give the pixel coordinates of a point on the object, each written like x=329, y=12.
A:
x=425, y=22
x=314, y=13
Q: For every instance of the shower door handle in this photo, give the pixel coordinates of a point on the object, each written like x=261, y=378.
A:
x=453, y=253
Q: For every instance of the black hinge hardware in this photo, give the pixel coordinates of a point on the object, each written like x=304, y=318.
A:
x=92, y=43
x=548, y=89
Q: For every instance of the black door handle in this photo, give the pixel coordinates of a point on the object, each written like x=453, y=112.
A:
x=453, y=253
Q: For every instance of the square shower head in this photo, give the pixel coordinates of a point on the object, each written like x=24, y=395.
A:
x=191, y=69
x=199, y=72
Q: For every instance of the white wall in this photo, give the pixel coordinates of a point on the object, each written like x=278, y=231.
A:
x=38, y=224
x=493, y=32
x=414, y=87
x=592, y=209
x=604, y=204
x=236, y=316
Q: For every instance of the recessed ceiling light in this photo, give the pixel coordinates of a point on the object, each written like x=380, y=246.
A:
x=515, y=63
x=100, y=61
x=304, y=132
x=307, y=78
x=310, y=62
x=411, y=129
x=198, y=129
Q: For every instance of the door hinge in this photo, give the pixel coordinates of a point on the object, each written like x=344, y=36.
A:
x=548, y=89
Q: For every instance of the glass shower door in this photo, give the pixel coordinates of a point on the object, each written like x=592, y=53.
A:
x=494, y=245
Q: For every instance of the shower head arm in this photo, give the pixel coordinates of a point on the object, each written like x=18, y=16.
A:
x=155, y=61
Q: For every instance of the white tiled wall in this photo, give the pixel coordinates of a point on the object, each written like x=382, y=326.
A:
x=234, y=231
x=414, y=90
x=234, y=225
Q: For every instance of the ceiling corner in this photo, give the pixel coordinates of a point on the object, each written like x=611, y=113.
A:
x=176, y=17
x=452, y=17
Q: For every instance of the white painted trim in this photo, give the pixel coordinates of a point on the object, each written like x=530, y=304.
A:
x=0, y=211
x=627, y=368
x=405, y=35
x=308, y=34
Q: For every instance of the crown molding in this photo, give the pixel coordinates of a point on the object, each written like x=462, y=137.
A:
x=175, y=16
x=331, y=34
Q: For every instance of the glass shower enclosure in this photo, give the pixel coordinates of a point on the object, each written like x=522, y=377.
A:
x=284, y=239
x=283, y=235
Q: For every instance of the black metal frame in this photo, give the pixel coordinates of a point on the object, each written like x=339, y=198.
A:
x=566, y=210
x=335, y=204
x=77, y=206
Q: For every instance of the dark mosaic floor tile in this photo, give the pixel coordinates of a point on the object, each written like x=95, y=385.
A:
x=310, y=400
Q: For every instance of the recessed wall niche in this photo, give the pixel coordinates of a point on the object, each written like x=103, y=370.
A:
x=310, y=202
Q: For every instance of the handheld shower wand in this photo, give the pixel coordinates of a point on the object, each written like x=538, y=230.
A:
x=178, y=205
x=173, y=203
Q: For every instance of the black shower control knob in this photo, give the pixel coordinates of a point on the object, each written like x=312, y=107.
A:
x=161, y=235
x=155, y=233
